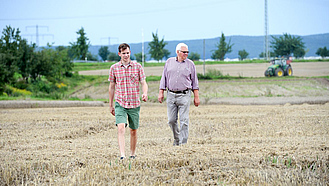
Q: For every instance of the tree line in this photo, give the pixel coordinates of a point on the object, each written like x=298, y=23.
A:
x=282, y=46
x=30, y=65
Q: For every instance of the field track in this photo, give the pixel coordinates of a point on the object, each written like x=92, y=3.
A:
x=307, y=69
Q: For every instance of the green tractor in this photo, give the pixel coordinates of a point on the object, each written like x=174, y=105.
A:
x=279, y=68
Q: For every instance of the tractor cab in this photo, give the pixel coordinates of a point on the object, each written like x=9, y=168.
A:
x=280, y=62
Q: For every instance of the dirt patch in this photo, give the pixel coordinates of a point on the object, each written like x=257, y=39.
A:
x=228, y=145
x=48, y=104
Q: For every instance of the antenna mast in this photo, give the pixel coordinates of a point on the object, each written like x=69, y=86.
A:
x=266, y=52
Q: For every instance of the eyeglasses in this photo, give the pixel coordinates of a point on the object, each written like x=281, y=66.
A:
x=185, y=52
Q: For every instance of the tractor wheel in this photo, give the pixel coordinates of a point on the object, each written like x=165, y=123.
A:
x=289, y=71
x=267, y=74
x=279, y=72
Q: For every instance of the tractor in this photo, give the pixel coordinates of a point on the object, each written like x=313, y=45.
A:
x=279, y=68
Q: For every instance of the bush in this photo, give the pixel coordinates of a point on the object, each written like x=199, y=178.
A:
x=211, y=74
x=15, y=92
x=41, y=86
x=68, y=74
x=56, y=95
x=21, y=84
x=61, y=87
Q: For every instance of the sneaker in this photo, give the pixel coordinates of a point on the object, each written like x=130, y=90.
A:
x=122, y=157
x=132, y=157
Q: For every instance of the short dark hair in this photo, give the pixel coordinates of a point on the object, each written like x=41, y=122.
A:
x=123, y=46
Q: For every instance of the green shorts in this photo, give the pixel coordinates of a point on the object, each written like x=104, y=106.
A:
x=121, y=115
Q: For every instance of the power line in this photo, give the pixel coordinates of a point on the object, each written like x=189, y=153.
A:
x=109, y=39
x=37, y=33
x=203, y=4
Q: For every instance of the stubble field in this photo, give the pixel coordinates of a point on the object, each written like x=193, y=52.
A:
x=228, y=144
x=245, y=132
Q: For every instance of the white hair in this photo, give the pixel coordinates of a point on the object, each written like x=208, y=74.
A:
x=180, y=45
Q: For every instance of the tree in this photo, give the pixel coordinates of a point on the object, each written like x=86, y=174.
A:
x=222, y=49
x=194, y=56
x=139, y=56
x=80, y=47
x=67, y=64
x=92, y=57
x=9, y=55
x=288, y=45
x=323, y=52
x=166, y=53
x=54, y=64
x=156, y=47
x=272, y=54
x=243, y=54
x=25, y=60
x=41, y=65
x=299, y=52
x=113, y=57
x=104, y=52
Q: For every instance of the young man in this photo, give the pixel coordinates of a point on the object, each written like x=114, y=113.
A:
x=124, y=80
x=179, y=77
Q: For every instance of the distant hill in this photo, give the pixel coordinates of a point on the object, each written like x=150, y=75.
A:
x=254, y=45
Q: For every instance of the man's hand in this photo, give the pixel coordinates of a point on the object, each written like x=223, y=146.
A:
x=196, y=101
x=196, y=97
x=160, y=97
x=112, y=110
x=145, y=89
x=144, y=97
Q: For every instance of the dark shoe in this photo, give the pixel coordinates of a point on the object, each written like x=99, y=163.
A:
x=132, y=157
x=121, y=158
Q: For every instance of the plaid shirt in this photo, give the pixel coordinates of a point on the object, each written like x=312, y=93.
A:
x=126, y=81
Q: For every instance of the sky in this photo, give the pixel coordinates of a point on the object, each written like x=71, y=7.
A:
x=133, y=21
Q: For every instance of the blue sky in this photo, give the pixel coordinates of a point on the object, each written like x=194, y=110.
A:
x=125, y=21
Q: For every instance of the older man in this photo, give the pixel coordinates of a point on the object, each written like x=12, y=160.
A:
x=179, y=78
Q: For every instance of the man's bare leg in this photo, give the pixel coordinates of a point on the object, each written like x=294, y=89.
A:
x=121, y=138
x=133, y=141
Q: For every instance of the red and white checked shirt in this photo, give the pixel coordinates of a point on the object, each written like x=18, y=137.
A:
x=126, y=81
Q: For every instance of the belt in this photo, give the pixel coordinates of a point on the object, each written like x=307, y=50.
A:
x=179, y=91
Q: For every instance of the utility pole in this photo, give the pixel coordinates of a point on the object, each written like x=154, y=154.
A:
x=109, y=39
x=204, y=58
x=143, y=48
x=37, y=33
x=266, y=52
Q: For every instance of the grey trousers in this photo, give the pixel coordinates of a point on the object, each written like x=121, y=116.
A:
x=178, y=106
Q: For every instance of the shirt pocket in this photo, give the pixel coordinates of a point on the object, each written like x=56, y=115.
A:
x=186, y=72
x=134, y=78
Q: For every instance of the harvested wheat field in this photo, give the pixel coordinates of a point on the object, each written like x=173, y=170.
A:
x=228, y=144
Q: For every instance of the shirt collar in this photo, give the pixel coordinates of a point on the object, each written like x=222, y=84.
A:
x=121, y=64
x=178, y=61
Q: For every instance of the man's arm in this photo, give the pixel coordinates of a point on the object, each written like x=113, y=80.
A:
x=144, y=89
x=161, y=96
x=111, y=96
x=196, y=97
x=162, y=84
